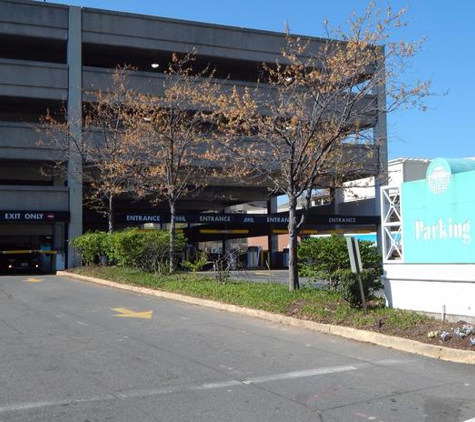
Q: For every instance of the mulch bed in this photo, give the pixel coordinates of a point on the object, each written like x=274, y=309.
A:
x=418, y=333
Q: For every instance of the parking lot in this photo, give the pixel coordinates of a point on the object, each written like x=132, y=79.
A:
x=74, y=351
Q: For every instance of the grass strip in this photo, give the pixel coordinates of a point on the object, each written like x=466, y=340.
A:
x=314, y=304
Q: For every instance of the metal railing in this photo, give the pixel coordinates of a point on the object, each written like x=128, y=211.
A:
x=391, y=222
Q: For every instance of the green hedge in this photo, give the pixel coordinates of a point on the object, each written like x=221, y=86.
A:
x=147, y=250
x=92, y=246
x=326, y=258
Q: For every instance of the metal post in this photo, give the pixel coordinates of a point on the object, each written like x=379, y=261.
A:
x=356, y=265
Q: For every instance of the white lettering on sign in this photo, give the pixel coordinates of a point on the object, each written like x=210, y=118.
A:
x=444, y=230
x=215, y=219
x=143, y=218
x=33, y=216
x=342, y=220
x=277, y=219
x=12, y=216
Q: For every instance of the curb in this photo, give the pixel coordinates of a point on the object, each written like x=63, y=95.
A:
x=396, y=343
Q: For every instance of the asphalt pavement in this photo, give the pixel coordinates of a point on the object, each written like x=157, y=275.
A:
x=76, y=351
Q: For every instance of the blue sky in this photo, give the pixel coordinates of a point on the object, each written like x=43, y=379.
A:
x=447, y=56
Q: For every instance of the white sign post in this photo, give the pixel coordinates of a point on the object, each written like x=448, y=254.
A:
x=356, y=266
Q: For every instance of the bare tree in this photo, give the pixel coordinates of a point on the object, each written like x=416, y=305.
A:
x=100, y=147
x=150, y=146
x=167, y=154
x=301, y=126
x=105, y=126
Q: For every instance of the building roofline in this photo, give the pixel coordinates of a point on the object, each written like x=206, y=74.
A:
x=405, y=160
x=175, y=20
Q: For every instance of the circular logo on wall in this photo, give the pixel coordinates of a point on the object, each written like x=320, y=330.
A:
x=438, y=176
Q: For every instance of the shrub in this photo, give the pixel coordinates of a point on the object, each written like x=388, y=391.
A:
x=324, y=257
x=349, y=289
x=147, y=250
x=127, y=247
x=92, y=246
x=197, y=264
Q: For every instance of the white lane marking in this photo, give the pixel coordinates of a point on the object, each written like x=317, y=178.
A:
x=41, y=404
x=180, y=389
x=224, y=384
x=235, y=383
x=470, y=420
x=300, y=374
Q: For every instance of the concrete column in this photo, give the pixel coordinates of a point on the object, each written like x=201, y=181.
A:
x=75, y=125
x=227, y=244
x=58, y=236
x=272, y=239
x=337, y=199
x=58, y=245
x=380, y=132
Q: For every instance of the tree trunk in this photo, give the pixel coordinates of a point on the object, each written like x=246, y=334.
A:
x=110, y=214
x=172, y=237
x=293, y=269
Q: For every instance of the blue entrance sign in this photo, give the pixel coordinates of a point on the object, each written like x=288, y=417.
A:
x=438, y=214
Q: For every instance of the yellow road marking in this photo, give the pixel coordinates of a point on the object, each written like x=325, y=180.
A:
x=127, y=313
x=34, y=280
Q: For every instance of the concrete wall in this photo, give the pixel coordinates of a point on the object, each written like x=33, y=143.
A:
x=154, y=33
x=33, y=79
x=441, y=290
x=37, y=198
x=361, y=207
x=406, y=170
x=20, y=141
x=96, y=79
x=34, y=19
